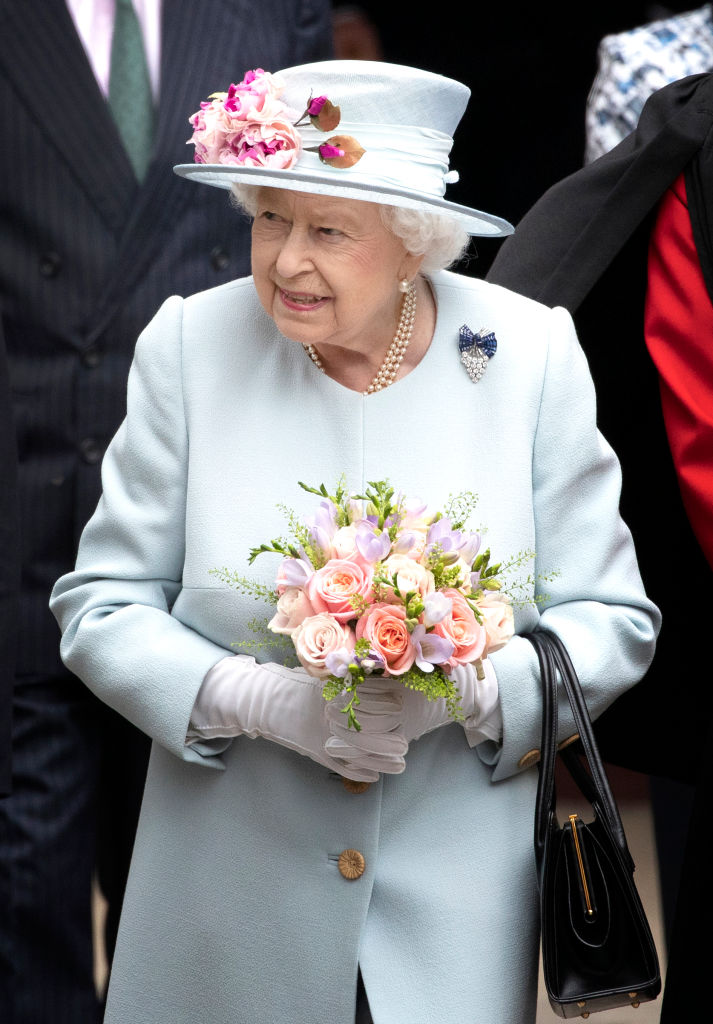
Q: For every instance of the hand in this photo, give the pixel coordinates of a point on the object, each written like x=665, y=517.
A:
x=240, y=697
x=479, y=702
x=380, y=743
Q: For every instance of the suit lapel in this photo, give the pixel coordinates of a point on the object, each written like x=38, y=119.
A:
x=43, y=56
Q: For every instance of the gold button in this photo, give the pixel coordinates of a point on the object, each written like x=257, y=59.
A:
x=352, y=786
x=570, y=739
x=351, y=864
x=527, y=760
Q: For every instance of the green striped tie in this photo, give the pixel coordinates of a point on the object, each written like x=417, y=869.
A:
x=130, y=98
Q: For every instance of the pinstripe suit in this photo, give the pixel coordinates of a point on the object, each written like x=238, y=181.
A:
x=86, y=258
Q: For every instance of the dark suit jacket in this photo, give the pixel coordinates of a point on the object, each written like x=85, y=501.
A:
x=87, y=256
x=9, y=568
x=584, y=246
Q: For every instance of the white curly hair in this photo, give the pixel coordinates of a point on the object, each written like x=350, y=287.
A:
x=435, y=236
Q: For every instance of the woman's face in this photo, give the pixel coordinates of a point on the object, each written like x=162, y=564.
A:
x=327, y=270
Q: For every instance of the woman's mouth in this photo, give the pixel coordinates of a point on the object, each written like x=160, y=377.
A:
x=302, y=300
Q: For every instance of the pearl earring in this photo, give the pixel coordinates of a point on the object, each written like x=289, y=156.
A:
x=404, y=285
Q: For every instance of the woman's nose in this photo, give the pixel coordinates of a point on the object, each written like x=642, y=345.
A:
x=294, y=256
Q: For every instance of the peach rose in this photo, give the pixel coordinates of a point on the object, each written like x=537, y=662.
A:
x=498, y=620
x=331, y=588
x=462, y=628
x=384, y=627
x=316, y=637
x=410, y=576
x=292, y=607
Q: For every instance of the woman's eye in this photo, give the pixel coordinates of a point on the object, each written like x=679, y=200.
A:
x=330, y=231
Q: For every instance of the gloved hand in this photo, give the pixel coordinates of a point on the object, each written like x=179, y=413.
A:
x=381, y=738
x=479, y=702
x=241, y=697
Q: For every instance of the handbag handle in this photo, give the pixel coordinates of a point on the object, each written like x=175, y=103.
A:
x=554, y=658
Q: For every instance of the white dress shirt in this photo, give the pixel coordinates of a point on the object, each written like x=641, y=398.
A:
x=94, y=21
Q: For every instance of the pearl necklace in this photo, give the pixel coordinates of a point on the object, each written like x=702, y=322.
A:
x=386, y=374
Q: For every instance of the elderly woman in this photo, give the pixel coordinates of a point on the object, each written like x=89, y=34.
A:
x=323, y=872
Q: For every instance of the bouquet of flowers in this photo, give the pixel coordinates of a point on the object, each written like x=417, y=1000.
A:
x=375, y=584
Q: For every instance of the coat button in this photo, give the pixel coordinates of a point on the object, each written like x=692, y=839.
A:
x=50, y=264
x=91, y=357
x=351, y=864
x=527, y=760
x=568, y=741
x=352, y=786
x=91, y=450
x=219, y=258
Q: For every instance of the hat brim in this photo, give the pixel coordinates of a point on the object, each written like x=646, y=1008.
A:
x=475, y=222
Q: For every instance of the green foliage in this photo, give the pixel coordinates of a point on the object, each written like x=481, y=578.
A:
x=459, y=508
x=245, y=585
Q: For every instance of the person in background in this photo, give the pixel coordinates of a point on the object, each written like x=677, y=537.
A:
x=285, y=864
x=95, y=232
x=632, y=65
x=529, y=71
x=625, y=245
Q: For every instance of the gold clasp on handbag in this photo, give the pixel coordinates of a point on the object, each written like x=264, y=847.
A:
x=580, y=861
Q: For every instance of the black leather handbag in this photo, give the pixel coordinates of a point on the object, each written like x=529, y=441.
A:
x=597, y=949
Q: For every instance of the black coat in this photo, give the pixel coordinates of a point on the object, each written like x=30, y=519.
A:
x=584, y=246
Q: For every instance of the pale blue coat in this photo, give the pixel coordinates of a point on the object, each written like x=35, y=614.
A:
x=235, y=909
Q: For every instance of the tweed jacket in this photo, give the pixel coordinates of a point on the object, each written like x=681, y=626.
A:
x=235, y=908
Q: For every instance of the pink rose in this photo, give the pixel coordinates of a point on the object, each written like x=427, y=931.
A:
x=209, y=128
x=498, y=620
x=384, y=626
x=462, y=628
x=315, y=638
x=410, y=576
x=332, y=587
x=270, y=144
x=254, y=97
x=292, y=608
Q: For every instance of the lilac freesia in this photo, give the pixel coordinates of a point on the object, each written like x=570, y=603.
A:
x=436, y=607
x=323, y=525
x=470, y=547
x=403, y=543
x=295, y=572
x=372, y=546
x=431, y=649
x=338, y=662
x=441, y=535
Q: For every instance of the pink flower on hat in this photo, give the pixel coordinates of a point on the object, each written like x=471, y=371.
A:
x=269, y=144
x=247, y=125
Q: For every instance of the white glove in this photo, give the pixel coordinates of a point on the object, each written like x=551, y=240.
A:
x=479, y=703
x=381, y=738
x=240, y=697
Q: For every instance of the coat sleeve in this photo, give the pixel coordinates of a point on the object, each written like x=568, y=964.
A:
x=114, y=609
x=596, y=601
